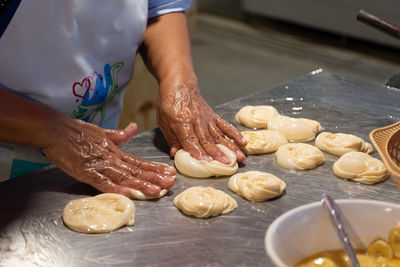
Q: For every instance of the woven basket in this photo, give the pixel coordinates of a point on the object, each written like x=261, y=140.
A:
x=387, y=142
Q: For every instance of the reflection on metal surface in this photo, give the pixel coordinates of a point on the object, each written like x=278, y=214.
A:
x=316, y=71
x=32, y=242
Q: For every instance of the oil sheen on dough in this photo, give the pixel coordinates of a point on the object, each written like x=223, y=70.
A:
x=204, y=202
x=99, y=214
x=256, y=186
x=361, y=168
x=255, y=116
x=192, y=167
x=263, y=141
x=295, y=129
x=299, y=156
x=339, y=143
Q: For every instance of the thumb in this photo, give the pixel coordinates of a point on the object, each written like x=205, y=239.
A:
x=120, y=137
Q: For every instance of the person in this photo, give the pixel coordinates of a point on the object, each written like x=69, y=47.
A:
x=64, y=66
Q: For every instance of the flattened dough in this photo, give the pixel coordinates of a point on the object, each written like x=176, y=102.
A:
x=99, y=214
x=299, y=156
x=295, y=129
x=255, y=116
x=204, y=202
x=263, y=141
x=339, y=143
x=361, y=168
x=192, y=167
x=256, y=186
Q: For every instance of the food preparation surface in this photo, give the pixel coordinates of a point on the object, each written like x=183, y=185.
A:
x=32, y=232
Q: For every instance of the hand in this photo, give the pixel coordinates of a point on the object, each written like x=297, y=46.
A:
x=90, y=154
x=188, y=122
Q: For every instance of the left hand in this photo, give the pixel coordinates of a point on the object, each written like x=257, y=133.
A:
x=188, y=122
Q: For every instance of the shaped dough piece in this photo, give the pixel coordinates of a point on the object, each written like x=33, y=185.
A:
x=256, y=186
x=192, y=167
x=360, y=167
x=99, y=214
x=339, y=143
x=299, y=156
x=136, y=194
x=295, y=129
x=256, y=116
x=263, y=141
x=204, y=202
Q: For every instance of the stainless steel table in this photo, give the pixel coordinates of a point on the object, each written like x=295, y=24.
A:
x=32, y=232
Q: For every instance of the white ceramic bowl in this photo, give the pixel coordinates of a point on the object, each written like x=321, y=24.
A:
x=306, y=230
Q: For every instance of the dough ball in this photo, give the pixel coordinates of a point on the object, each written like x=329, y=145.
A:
x=295, y=129
x=255, y=116
x=256, y=185
x=99, y=214
x=204, y=202
x=360, y=167
x=299, y=156
x=192, y=167
x=263, y=141
x=339, y=143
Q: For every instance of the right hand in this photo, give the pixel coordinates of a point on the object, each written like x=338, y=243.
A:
x=90, y=154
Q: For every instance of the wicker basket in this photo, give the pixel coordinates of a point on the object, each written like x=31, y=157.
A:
x=387, y=141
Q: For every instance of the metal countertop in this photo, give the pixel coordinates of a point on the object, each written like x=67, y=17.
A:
x=32, y=232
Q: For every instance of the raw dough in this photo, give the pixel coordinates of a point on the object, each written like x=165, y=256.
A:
x=256, y=185
x=361, y=168
x=299, y=156
x=192, y=167
x=136, y=194
x=339, y=143
x=204, y=202
x=263, y=141
x=99, y=214
x=295, y=129
x=255, y=116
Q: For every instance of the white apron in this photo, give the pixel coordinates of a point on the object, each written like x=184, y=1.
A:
x=76, y=56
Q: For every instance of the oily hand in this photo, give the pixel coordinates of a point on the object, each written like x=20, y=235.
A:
x=90, y=154
x=188, y=122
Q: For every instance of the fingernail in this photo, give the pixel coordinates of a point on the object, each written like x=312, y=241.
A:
x=207, y=158
x=226, y=159
x=170, y=169
x=240, y=155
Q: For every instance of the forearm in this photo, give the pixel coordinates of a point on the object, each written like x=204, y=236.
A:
x=186, y=120
x=26, y=122
x=167, y=53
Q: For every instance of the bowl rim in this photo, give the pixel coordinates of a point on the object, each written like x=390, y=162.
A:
x=269, y=233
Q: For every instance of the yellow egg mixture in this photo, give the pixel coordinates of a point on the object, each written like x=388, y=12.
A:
x=378, y=254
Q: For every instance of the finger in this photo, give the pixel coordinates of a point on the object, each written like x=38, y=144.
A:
x=120, y=137
x=231, y=132
x=163, y=181
x=172, y=140
x=190, y=142
x=125, y=179
x=220, y=138
x=158, y=167
x=208, y=143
